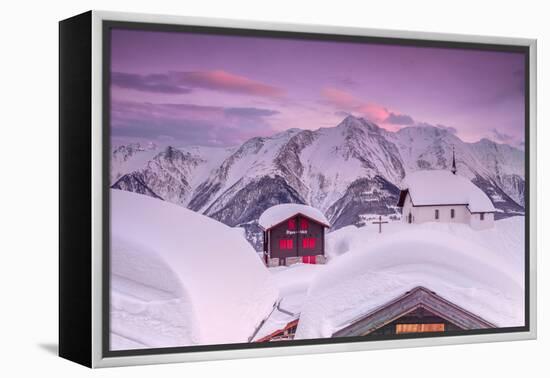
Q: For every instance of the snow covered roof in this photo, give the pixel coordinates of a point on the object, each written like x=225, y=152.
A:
x=366, y=278
x=279, y=213
x=177, y=277
x=441, y=187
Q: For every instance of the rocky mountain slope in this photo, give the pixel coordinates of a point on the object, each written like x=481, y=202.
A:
x=351, y=172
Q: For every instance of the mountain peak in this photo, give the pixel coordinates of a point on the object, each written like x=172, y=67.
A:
x=352, y=121
x=171, y=154
x=169, y=150
x=286, y=133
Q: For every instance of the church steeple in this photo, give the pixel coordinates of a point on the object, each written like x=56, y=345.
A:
x=453, y=167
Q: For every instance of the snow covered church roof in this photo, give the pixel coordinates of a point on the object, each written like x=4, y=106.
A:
x=441, y=187
x=177, y=277
x=365, y=279
x=279, y=213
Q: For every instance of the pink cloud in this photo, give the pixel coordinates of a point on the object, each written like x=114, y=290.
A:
x=189, y=123
x=347, y=102
x=228, y=82
x=340, y=98
x=374, y=112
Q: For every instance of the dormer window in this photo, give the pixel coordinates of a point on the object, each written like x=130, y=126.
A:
x=292, y=224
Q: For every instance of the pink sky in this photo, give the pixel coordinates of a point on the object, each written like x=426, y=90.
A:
x=222, y=90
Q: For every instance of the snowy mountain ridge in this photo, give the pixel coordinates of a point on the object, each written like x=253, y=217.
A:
x=348, y=172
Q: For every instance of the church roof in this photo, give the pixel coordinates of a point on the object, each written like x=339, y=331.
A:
x=279, y=213
x=441, y=187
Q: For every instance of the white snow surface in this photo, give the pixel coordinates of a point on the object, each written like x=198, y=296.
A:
x=279, y=213
x=179, y=278
x=441, y=187
x=366, y=271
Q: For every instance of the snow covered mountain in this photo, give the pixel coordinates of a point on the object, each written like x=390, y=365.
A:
x=170, y=174
x=350, y=172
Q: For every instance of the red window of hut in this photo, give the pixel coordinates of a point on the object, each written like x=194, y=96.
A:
x=308, y=243
x=292, y=224
x=304, y=224
x=285, y=244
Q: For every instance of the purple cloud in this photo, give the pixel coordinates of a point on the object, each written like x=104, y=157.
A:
x=189, y=123
x=183, y=82
x=448, y=129
x=399, y=119
x=155, y=83
x=250, y=112
x=227, y=82
x=342, y=114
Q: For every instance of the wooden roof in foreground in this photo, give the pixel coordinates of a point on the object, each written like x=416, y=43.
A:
x=411, y=300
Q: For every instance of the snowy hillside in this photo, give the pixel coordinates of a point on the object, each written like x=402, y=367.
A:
x=503, y=244
x=347, y=172
x=177, y=277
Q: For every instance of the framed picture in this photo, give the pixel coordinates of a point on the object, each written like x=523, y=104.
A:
x=233, y=189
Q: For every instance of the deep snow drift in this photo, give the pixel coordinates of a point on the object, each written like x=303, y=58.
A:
x=180, y=278
x=372, y=270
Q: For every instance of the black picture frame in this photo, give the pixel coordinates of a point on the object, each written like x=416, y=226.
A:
x=76, y=197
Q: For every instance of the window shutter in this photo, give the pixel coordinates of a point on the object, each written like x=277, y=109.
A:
x=304, y=224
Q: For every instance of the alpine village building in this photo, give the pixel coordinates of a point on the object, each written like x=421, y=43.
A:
x=293, y=233
x=444, y=196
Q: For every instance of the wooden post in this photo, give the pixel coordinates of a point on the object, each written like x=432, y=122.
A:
x=379, y=222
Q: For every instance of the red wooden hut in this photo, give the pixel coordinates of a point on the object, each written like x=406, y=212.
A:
x=293, y=233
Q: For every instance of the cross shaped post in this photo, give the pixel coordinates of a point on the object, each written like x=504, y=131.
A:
x=379, y=222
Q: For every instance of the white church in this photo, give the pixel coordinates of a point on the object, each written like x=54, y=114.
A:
x=444, y=196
